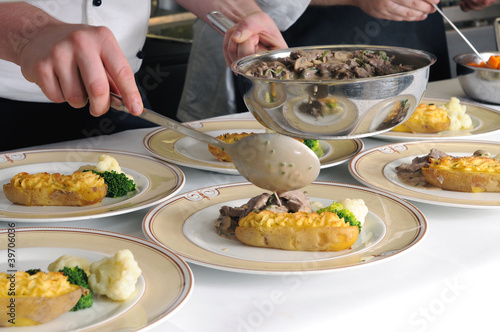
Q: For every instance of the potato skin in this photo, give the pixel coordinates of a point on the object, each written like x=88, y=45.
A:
x=462, y=181
x=36, y=310
x=299, y=238
x=44, y=189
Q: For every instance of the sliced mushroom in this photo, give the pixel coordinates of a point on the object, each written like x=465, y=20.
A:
x=302, y=63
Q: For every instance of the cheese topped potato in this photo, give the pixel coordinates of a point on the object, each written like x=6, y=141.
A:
x=77, y=189
x=229, y=138
x=35, y=299
x=430, y=118
x=467, y=174
x=426, y=119
x=308, y=231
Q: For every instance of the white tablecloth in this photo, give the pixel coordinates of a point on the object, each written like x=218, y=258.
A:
x=448, y=282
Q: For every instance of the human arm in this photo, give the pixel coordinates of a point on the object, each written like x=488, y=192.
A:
x=70, y=62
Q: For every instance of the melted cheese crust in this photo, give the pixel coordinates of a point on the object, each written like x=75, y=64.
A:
x=229, y=138
x=42, y=284
x=267, y=218
x=466, y=164
x=77, y=181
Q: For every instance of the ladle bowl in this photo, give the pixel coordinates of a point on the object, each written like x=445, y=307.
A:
x=270, y=161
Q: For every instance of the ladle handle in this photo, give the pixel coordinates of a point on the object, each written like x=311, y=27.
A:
x=159, y=119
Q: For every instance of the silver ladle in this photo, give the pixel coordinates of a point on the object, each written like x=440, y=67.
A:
x=270, y=161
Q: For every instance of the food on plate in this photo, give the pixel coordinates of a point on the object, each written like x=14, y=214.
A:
x=119, y=183
x=77, y=276
x=230, y=138
x=325, y=64
x=69, y=261
x=77, y=189
x=35, y=299
x=426, y=119
x=430, y=118
x=116, y=276
x=289, y=221
x=492, y=63
x=476, y=173
x=468, y=174
x=314, y=145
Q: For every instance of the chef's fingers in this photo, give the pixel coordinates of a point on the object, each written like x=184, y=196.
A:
x=92, y=70
x=468, y=5
x=256, y=33
x=122, y=75
x=404, y=10
x=261, y=25
x=249, y=47
x=44, y=76
x=70, y=81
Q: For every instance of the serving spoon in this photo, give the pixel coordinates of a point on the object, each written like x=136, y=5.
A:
x=270, y=161
x=460, y=34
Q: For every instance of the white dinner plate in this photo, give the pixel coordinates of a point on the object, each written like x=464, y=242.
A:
x=185, y=225
x=376, y=168
x=155, y=181
x=485, y=121
x=164, y=286
x=179, y=149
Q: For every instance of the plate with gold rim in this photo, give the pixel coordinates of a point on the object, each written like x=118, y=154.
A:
x=155, y=181
x=185, y=225
x=176, y=148
x=376, y=168
x=153, y=300
x=485, y=121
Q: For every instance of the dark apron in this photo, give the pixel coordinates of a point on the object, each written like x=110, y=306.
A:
x=333, y=25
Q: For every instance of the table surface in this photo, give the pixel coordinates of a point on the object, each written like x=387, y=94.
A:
x=448, y=281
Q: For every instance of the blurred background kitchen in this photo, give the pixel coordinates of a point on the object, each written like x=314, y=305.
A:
x=169, y=41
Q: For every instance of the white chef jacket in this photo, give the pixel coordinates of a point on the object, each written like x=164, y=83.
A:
x=208, y=89
x=127, y=19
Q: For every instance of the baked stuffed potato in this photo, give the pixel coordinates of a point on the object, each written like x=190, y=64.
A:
x=35, y=299
x=77, y=189
x=466, y=174
x=296, y=231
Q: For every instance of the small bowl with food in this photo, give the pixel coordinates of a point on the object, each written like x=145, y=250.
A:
x=334, y=92
x=480, y=77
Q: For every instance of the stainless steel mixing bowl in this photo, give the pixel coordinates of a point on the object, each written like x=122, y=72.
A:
x=482, y=84
x=368, y=106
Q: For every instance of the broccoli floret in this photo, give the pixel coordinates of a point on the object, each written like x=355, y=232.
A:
x=77, y=276
x=341, y=212
x=118, y=183
x=313, y=144
x=33, y=271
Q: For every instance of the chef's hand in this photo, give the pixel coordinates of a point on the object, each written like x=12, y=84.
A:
x=255, y=33
x=397, y=10
x=468, y=5
x=79, y=63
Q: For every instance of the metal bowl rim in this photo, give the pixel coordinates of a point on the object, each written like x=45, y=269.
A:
x=245, y=60
x=458, y=57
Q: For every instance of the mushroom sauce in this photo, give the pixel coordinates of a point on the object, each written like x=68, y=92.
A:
x=321, y=65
